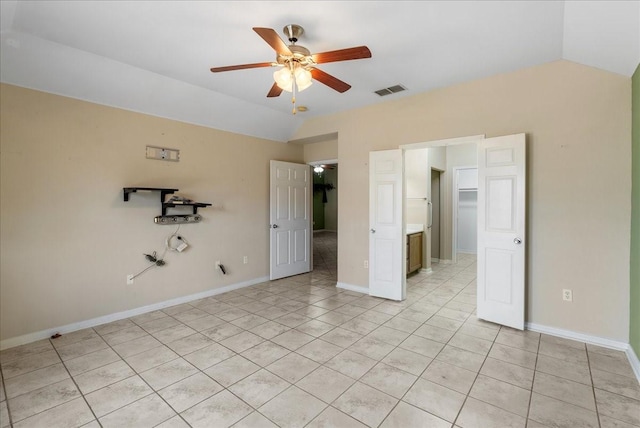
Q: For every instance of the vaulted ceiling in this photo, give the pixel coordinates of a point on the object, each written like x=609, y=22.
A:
x=154, y=56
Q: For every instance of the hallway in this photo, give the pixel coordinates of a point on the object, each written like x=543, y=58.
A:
x=325, y=253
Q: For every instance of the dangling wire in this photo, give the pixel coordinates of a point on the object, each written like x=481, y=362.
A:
x=159, y=261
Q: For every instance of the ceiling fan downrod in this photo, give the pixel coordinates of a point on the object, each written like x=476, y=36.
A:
x=293, y=32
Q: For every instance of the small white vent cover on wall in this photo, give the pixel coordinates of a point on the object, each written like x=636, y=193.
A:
x=162, y=153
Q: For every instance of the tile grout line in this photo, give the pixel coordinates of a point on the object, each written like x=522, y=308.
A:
x=475, y=380
x=6, y=396
x=432, y=359
x=417, y=297
x=75, y=383
x=157, y=392
x=154, y=391
x=593, y=386
x=287, y=326
x=533, y=380
x=380, y=361
x=141, y=378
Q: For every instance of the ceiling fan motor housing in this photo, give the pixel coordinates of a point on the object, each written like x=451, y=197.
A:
x=300, y=55
x=293, y=32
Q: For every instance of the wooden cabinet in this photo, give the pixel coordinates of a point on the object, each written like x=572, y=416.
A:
x=414, y=252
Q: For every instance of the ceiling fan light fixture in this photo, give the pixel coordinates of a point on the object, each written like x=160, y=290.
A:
x=303, y=78
x=285, y=77
x=318, y=169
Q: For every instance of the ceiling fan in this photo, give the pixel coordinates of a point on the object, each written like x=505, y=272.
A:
x=321, y=167
x=297, y=64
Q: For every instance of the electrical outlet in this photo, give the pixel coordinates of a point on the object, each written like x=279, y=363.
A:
x=567, y=295
x=130, y=279
x=245, y=260
x=366, y=264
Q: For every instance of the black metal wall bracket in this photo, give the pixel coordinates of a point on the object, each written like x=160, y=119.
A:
x=163, y=192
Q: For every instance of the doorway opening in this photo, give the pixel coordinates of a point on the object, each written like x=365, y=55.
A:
x=435, y=200
x=465, y=210
x=501, y=207
x=434, y=223
x=325, y=218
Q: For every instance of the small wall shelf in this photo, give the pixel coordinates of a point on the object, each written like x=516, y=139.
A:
x=163, y=192
x=194, y=205
x=164, y=218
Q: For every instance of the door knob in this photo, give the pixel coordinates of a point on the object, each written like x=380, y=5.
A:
x=373, y=231
x=517, y=241
x=275, y=226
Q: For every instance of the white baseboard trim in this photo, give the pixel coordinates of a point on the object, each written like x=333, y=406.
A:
x=593, y=340
x=45, y=334
x=435, y=260
x=427, y=270
x=350, y=287
x=568, y=334
x=444, y=262
x=635, y=362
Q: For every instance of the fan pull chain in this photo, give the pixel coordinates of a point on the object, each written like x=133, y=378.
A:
x=293, y=99
x=293, y=88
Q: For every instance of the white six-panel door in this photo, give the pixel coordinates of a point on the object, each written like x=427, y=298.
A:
x=290, y=219
x=501, y=230
x=386, y=255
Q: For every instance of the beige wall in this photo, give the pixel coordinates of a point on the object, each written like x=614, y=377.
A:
x=325, y=150
x=578, y=125
x=416, y=174
x=416, y=168
x=68, y=239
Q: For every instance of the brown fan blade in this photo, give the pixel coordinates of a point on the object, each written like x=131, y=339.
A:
x=342, y=55
x=271, y=37
x=275, y=91
x=329, y=80
x=241, y=67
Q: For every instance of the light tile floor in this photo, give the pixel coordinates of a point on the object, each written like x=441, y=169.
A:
x=325, y=253
x=299, y=352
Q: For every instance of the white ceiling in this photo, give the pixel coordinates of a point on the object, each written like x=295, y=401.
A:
x=154, y=56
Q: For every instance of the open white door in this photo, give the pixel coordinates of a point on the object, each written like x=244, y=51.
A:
x=290, y=219
x=501, y=230
x=386, y=255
